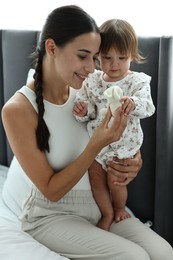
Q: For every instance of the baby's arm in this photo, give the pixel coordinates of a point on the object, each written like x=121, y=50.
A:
x=142, y=98
x=80, y=109
x=84, y=107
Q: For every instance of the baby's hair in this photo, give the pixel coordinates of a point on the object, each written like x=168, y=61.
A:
x=62, y=25
x=120, y=35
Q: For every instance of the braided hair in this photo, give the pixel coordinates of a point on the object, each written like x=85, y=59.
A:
x=62, y=25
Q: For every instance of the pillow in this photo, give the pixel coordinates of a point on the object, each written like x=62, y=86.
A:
x=3, y=175
x=30, y=75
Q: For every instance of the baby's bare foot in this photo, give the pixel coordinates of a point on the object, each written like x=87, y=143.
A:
x=104, y=223
x=121, y=214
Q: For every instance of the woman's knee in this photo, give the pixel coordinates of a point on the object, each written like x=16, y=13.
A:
x=136, y=253
x=162, y=251
x=128, y=250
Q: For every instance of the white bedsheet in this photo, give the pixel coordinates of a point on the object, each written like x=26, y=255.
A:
x=14, y=243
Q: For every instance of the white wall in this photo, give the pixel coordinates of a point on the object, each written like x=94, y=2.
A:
x=148, y=17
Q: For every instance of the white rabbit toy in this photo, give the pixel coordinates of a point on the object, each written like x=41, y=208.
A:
x=113, y=96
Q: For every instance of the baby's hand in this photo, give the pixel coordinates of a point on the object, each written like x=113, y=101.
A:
x=80, y=109
x=128, y=105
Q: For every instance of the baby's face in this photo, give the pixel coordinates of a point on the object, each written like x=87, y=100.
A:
x=115, y=65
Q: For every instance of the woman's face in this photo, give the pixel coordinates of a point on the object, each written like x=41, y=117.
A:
x=77, y=59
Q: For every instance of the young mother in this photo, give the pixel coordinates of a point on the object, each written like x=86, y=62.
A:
x=54, y=151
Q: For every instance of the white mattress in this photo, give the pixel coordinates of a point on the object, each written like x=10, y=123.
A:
x=14, y=243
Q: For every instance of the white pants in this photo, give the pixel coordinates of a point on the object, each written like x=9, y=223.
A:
x=68, y=228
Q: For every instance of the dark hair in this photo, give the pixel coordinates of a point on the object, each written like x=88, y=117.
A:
x=120, y=35
x=62, y=25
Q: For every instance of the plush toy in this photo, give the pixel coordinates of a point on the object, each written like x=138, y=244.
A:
x=113, y=96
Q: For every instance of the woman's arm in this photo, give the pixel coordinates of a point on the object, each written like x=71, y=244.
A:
x=20, y=121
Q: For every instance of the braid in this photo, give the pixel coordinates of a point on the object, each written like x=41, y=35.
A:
x=42, y=131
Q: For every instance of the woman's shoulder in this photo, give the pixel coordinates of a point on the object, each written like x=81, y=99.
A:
x=16, y=106
x=15, y=103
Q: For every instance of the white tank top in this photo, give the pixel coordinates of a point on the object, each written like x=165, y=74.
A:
x=68, y=138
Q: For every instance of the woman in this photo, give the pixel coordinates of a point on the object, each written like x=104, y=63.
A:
x=53, y=150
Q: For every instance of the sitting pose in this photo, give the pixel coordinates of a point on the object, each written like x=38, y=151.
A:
x=53, y=151
x=121, y=87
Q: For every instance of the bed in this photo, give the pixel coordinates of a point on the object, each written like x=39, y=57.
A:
x=14, y=243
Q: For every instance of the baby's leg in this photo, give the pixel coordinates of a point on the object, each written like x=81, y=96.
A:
x=119, y=198
x=101, y=193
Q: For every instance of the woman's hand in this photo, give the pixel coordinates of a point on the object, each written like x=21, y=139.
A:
x=107, y=132
x=125, y=170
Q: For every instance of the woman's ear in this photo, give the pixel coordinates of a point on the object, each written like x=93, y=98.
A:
x=50, y=47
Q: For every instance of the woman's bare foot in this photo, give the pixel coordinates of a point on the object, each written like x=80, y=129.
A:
x=121, y=214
